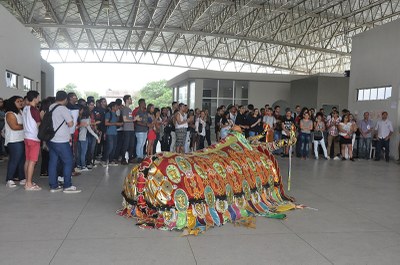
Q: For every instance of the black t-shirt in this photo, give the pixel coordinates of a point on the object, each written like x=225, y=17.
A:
x=241, y=119
x=251, y=120
x=287, y=124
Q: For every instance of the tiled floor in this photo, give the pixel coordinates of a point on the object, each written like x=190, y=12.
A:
x=355, y=220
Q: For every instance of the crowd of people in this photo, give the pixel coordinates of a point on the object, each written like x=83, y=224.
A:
x=92, y=132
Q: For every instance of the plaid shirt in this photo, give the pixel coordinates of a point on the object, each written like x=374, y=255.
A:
x=333, y=126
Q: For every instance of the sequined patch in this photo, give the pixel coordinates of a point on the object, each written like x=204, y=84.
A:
x=173, y=173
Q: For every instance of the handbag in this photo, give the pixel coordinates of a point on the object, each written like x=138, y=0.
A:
x=318, y=135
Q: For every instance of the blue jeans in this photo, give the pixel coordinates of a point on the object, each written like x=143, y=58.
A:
x=60, y=152
x=111, y=146
x=366, y=146
x=277, y=136
x=141, y=138
x=16, y=161
x=83, y=147
x=128, y=144
x=91, y=148
x=252, y=133
x=305, y=143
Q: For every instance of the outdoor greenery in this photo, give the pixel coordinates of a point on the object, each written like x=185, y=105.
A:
x=156, y=93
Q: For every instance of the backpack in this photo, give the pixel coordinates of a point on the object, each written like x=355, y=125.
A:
x=46, y=130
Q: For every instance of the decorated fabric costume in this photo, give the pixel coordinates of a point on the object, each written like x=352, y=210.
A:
x=231, y=181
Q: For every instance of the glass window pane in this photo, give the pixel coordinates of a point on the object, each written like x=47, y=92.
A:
x=225, y=102
x=381, y=93
x=360, y=95
x=11, y=80
x=367, y=93
x=210, y=105
x=241, y=102
x=27, y=84
x=388, y=93
x=226, y=88
x=175, y=94
x=241, y=89
x=374, y=94
x=210, y=88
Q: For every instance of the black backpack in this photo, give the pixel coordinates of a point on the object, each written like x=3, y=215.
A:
x=46, y=130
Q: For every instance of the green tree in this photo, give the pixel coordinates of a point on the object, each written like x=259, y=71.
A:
x=156, y=93
x=94, y=94
x=72, y=88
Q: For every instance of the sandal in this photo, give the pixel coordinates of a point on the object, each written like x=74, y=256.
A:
x=33, y=188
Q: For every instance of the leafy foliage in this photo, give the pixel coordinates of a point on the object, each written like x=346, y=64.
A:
x=72, y=88
x=156, y=93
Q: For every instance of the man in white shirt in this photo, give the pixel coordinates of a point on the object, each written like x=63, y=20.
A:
x=384, y=130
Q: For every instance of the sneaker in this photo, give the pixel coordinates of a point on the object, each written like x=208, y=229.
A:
x=97, y=161
x=71, y=189
x=336, y=158
x=84, y=169
x=114, y=164
x=104, y=163
x=22, y=182
x=327, y=158
x=316, y=158
x=59, y=188
x=343, y=158
x=11, y=184
x=91, y=166
x=77, y=169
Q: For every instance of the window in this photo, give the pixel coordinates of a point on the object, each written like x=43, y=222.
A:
x=210, y=88
x=182, y=94
x=27, y=84
x=225, y=88
x=11, y=79
x=241, y=89
x=376, y=93
x=192, y=94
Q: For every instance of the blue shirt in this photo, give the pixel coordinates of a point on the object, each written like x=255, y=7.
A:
x=111, y=130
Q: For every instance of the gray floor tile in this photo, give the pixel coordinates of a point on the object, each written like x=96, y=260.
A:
x=125, y=251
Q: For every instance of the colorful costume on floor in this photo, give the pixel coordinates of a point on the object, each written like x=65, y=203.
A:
x=231, y=181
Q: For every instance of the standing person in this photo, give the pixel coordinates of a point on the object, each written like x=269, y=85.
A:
x=366, y=129
x=83, y=137
x=31, y=121
x=201, y=129
x=384, y=130
x=217, y=123
x=129, y=132
x=151, y=134
x=158, y=128
x=59, y=147
x=226, y=124
x=319, y=129
x=346, y=134
x=174, y=110
x=74, y=109
x=141, y=129
x=255, y=123
x=181, y=126
x=90, y=154
x=241, y=119
x=333, y=134
x=111, y=122
x=306, y=125
x=165, y=130
x=14, y=140
x=2, y=118
x=99, y=113
x=208, y=126
x=44, y=166
x=287, y=124
x=120, y=132
x=278, y=126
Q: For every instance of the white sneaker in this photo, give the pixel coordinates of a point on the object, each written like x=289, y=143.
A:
x=71, y=189
x=77, y=169
x=113, y=164
x=11, y=184
x=22, y=182
x=336, y=158
x=85, y=169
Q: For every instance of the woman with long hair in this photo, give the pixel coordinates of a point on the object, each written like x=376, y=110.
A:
x=14, y=140
x=151, y=134
x=226, y=124
x=346, y=135
x=319, y=139
x=306, y=125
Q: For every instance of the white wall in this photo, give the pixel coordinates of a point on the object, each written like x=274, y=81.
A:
x=19, y=53
x=261, y=93
x=375, y=62
x=47, y=81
